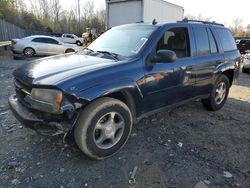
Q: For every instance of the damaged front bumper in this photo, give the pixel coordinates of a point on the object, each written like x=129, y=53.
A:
x=45, y=124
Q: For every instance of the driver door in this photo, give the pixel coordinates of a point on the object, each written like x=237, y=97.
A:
x=173, y=82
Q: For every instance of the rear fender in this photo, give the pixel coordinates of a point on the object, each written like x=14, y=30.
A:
x=228, y=65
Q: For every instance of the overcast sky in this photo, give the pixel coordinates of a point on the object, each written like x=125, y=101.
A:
x=223, y=11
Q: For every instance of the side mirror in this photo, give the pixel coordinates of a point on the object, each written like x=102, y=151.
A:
x=164, y=56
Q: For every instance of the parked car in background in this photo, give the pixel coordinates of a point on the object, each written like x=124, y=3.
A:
x=246, y=63
x=72, y=39
x=243, y=45
x=41, y=45
x=126, y=74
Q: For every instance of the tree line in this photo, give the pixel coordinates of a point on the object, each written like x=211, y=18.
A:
x=48, y=15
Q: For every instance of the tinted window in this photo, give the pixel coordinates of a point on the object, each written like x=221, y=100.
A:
x=202, y=41
x=213, y=45
x=227, y=40
x=69, y=36
x=51, y=41
x=42, y=40
x=177, y=40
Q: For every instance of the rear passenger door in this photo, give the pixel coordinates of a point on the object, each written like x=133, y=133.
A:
x=40, y=45
x=207, y=58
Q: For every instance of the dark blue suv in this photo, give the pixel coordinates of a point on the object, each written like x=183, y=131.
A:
x=128, y=73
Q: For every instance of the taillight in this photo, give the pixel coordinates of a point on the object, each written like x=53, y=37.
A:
x=13, y=42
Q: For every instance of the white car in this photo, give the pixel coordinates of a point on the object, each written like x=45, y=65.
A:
x=246, y=63
x=73, y=39
x=41, y=45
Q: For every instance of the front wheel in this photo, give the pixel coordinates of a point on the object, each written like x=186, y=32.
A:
x=218, y=95
x=103, y=128
x=78, y=43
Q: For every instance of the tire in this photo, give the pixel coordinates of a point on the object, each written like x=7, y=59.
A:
x=78, y=43
x=213, y=103
x=245, y=70
x=29, y=52
x=69, y=51
x=93, y=130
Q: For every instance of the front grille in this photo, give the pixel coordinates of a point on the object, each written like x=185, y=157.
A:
x=22, y=90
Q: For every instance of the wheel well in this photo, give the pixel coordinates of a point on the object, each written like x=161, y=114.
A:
x=69, y=49
x=30, y=48
x=127, y=98
x=230, y=75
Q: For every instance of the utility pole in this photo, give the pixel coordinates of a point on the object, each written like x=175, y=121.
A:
x=79, y=17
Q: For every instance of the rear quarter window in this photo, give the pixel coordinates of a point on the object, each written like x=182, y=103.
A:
x=227, y=40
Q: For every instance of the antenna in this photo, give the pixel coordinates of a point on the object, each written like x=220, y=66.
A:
x=154, y=22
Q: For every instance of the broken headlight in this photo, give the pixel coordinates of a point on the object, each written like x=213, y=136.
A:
x=48, y=100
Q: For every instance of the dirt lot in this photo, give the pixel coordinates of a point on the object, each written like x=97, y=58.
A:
x=184, y=147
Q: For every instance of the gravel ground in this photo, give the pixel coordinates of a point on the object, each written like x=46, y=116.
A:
x=184, y=147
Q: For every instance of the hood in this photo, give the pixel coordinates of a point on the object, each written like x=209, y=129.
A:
x=56, y=69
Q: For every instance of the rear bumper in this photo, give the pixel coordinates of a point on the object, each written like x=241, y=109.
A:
x=32, y=121
x=16, y=51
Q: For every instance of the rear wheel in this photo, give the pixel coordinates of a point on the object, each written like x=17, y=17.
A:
x=29, y=52
x=218, y=95
x=103, y=128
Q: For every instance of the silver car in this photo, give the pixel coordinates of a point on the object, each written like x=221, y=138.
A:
x=42, y=45
x=246, y=63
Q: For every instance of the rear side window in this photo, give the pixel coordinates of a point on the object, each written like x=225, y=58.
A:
x=213, y=45
x=227, y=40
x=202, y=41
x=41, y=40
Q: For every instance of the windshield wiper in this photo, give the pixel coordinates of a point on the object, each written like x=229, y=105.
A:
x=113, y=55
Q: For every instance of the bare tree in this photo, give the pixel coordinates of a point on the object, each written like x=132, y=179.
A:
x=56, y=9
x=237, y=28
x=198, y=17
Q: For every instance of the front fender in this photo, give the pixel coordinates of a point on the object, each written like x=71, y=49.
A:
x=106, y=89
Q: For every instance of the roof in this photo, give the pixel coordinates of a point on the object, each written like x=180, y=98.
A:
x=42, y=36
x=184, y=22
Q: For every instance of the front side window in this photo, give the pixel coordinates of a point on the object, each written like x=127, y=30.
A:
x=125, y=41
x=177, y=40
x=51, y=41
x=202, y=41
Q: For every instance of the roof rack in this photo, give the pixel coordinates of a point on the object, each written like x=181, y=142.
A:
x=200, y=21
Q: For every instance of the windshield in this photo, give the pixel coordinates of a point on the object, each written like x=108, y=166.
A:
x=125, y=41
